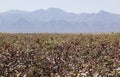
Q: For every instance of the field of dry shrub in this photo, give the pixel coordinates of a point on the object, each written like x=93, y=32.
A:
x=59, y=55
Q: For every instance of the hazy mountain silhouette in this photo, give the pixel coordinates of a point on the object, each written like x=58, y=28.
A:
x=57, y=20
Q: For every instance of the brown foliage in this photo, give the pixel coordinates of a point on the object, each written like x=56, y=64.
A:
x=47, y=55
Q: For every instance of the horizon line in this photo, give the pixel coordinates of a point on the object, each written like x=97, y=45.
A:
x=58, y=9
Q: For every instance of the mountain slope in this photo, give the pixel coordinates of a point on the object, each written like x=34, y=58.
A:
x=57, y=20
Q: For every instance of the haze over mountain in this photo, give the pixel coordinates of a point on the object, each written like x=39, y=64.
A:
x=57, y=20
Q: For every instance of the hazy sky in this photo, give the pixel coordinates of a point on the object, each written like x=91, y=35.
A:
x=77, y=6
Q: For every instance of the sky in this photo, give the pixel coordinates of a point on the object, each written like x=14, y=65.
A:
x=76, y=6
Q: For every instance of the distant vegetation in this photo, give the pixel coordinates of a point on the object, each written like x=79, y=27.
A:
x=70, y=55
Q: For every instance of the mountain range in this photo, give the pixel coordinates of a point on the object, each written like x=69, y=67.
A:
x=57, y=20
